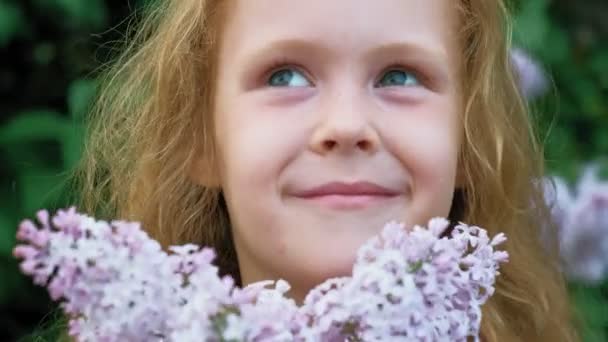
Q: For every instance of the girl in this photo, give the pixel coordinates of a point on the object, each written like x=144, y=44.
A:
x=286, y=133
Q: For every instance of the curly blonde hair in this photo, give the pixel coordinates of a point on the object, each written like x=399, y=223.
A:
x=153, y=120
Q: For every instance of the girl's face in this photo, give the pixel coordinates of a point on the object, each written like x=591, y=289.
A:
x=332, y=118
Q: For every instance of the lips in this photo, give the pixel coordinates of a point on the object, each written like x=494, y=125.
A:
x=349, y=196
x=347, y=189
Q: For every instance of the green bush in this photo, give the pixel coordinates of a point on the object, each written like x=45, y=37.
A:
x=571, y=40
x=53, y=50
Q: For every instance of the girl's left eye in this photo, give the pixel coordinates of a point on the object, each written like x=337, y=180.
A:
x=288, y=77
x=397, y=78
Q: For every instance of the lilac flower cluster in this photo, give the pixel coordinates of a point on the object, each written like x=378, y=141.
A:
x=581, y=217
x=411, y=285
x=117, y=284
x=530, y=75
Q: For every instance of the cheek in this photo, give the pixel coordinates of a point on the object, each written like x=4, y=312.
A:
x=426, y=142
x=256, y=143
x=435, y=175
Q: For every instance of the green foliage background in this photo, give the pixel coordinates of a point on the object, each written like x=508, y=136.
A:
x=52, y=50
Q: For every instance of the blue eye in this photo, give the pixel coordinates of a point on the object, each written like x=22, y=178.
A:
x=396, y=78
x=288, y=78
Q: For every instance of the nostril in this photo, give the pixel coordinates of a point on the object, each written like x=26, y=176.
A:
x=329, y=144
x=364, y=145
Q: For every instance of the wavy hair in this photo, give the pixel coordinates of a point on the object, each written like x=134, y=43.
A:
x=153, y=119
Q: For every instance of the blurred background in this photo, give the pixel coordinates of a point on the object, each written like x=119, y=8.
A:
x=52, y=51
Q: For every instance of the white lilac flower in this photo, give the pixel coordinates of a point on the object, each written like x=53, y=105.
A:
x=117, y=284
x=272, y=317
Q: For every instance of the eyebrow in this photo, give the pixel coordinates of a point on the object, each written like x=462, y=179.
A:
x=436, y=57
x=433, y=54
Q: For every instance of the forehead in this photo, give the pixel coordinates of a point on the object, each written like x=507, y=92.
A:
x=350, y=26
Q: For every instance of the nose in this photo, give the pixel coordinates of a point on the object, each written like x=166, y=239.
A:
x=344, y=128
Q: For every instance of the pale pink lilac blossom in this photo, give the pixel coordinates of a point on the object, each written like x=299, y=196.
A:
x=116, y=284
x=531, y=77
x=581, y=217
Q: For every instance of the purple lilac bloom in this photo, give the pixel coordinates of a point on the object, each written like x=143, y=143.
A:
x=412, y=285
x=530, y=75
x=116, y=284
x=582, y=220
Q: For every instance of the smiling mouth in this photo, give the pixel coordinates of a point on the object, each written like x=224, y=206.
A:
x=347, y=196
x=348, y=202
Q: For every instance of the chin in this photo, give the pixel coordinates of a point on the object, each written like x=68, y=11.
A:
x=321, y=267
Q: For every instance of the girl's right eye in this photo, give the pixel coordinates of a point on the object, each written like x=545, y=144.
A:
x=288, y=77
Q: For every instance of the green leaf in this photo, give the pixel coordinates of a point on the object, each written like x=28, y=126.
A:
x=601, y=140
x=588, y=96
x=85, y=13
x=532, y=25
x=11, y=279
x=20, y=157
x=556, y=48
x=8, y=229
x=595, y=335
x=592, y=305
x=34, y=126
x=599, y=66
x=602, y=163
x=561, y=146
x=41, y=188
x=72, y=146
x=12, y=22
x=44, y=53
x=80, y=97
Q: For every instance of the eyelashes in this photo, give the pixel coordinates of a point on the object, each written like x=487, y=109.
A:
x=282, y=64
x=398, y=65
